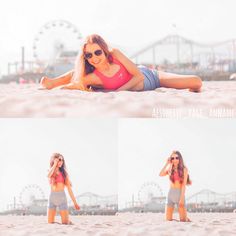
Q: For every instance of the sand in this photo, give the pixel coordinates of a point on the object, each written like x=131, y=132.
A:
x=217, y=100
x=124, y=224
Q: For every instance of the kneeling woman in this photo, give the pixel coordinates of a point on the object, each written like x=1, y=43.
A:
x=59, y=179
x=98, y=67
x=179, y=178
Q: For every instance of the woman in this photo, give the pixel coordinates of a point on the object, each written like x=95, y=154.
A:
x=59, y=179
x=97, y=67
x=179, y=178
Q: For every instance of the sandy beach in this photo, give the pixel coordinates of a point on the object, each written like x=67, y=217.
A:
x=27, y=101
x=124, y=224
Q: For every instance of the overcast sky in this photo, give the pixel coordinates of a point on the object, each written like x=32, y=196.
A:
x=131, y=24
x=89, y=148
x=207, y=147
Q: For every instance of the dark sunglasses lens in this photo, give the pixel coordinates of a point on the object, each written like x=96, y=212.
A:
x=98, y=52
x=88, y=55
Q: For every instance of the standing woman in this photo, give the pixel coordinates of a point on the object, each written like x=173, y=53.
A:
x=59, y=179
x=98, y=67
x=179, y=178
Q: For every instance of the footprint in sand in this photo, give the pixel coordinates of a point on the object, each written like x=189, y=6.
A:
x=196, y=226
x=216, y=222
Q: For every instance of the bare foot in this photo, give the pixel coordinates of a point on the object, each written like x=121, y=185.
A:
x=186, y=220
x=70, y=223
x=46, y=83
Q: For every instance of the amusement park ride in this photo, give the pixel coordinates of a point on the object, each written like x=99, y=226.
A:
x=55, y=48
x=32, y=201
x=57, y=44
x=151, y=199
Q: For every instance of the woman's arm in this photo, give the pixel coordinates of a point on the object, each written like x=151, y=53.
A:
x=76, y=86
x=68, y=185
x=80, y=81
x=51, y=171
x=81, y=84
x=131, y=68
x=57, y=81
x=66, y=76
x=163, y=171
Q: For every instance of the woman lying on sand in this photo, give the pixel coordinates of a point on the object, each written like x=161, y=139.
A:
x=97, y=67
x=59, y=179
x=179, y=178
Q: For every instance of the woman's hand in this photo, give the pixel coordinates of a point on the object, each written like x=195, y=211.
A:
x=77, y=207
x=53, y=168
x=56, y=160
x=74, y=85
x=168, y=161
x=46, y=83
x=164, y=170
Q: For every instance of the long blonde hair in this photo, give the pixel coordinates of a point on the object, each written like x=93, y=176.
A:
x=82, y=66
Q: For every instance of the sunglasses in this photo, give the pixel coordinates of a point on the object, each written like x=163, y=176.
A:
x=174, y=158
x=89, y=55
x=60, y=159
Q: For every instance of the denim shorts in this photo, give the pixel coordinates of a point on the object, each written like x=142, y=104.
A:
x=174, y=197
x=58, y=199
x=151, y=78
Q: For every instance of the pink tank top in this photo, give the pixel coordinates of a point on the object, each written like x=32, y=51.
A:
x=120, y=78
x=176, y=176
x=58, y=179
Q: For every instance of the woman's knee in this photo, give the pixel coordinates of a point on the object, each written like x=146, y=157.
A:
x=196, y=82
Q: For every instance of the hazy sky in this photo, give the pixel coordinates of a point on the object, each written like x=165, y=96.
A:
x=131, y=24
x=207, y=146
x=89, y=148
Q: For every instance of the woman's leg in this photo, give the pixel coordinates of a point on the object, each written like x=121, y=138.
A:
x=65, y=217
x=169, y=80
x=64, y=79
x=169, y=212
x=183, y=214
x=51, y=215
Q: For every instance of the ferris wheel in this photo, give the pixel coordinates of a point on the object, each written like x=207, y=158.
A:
x=30, y=193
x=149, y=191
x=53, y=38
